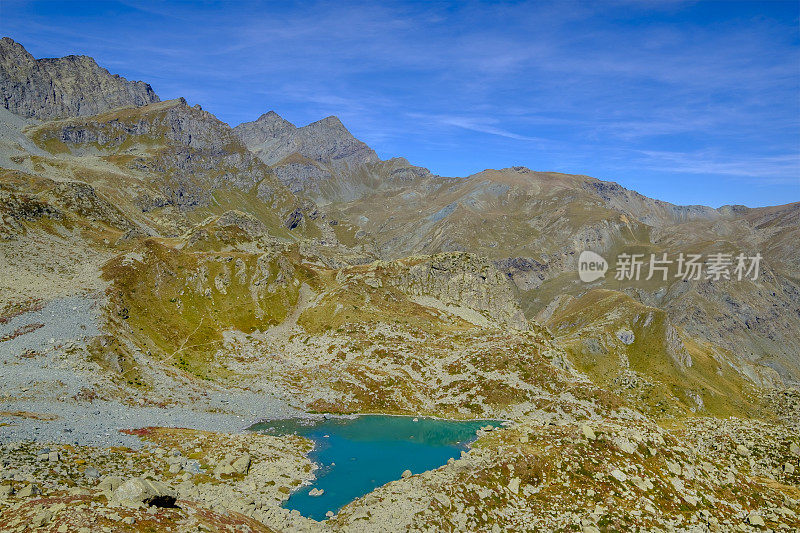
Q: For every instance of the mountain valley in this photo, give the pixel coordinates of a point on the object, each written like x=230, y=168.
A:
x=169, y=280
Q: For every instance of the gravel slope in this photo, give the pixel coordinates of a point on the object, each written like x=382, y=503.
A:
x=44, y=371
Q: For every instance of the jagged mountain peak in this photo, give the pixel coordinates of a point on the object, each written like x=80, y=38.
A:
x=13, y=52
x=331, y=121
x=9, y=48
x=265, y=129
x=271, y=117
x=327, y=140
x=63, y=87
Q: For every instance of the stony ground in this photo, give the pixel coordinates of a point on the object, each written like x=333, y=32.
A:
x=614, y=474
x=180, y=480
x=49, y=368
x=80, y=449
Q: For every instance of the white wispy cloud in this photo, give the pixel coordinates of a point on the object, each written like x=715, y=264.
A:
x=478, y=124
x=778, y=169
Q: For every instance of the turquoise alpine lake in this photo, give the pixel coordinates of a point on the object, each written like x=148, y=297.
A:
x=356, y=455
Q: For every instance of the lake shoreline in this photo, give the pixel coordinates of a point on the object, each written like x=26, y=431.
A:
x=350, y=454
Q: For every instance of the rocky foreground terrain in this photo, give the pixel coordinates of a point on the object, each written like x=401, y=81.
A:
x=167, y=280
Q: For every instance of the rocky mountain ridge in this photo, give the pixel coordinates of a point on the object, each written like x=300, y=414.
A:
x=322, y=161
x=45, y=89
x=327, y=140
x=534, y=225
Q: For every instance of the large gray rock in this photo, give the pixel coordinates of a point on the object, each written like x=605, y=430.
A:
x=242, y=464
x=139, y=491
x=6, y=491
x=63, y=87
x=110, y=483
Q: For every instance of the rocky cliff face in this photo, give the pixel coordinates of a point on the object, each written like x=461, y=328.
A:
x=63, y=87
x=318, y=160
x=462, y=279
x=324, y=141
x=188, y=152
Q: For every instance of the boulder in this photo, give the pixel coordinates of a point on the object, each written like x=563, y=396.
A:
x=742, y=450
x=41, y=519
x=674, y=468
x=28, y=491
x=755, y=519
x=136, y=492
x=109, y=483
x=359, y=514
x=625, y=445
x=443, y=499
x=406, y=474
x=619, y=475
x=223, y=468
x=242, y=464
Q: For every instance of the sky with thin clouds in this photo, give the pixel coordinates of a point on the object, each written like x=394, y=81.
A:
x=688, y=102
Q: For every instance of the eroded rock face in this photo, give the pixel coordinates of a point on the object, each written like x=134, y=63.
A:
x=63, y=87
x=82, y=199
x=300, y=177
x=466, y=280
x=197, y=153
x=15, y=209
x=244, y=221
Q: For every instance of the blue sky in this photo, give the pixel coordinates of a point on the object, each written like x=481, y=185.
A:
x=689, y=102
